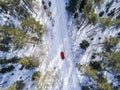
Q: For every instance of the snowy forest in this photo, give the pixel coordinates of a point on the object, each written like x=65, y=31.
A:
x=59, y=44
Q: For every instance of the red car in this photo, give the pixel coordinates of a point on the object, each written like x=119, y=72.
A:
x=62, y=55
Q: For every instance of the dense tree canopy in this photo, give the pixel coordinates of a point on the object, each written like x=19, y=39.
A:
x=17, y=36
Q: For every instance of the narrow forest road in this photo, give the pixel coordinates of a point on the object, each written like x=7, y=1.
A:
x=68, y=79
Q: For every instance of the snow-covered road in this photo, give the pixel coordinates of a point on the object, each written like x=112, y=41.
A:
x=61, y=42
x=58, y=40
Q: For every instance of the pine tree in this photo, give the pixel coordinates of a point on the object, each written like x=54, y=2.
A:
x=93, y=18
x=114, y=60
x=105, y=22
x=110, y=43
x=98, y=2
x=36, y=75
x=84, y=44
x=32, y=25
x=103, y=84
x=90, y=72
x=29, y=62
x=18, y=85
x=18, y=36
x=88, y=8
x=116, y=23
